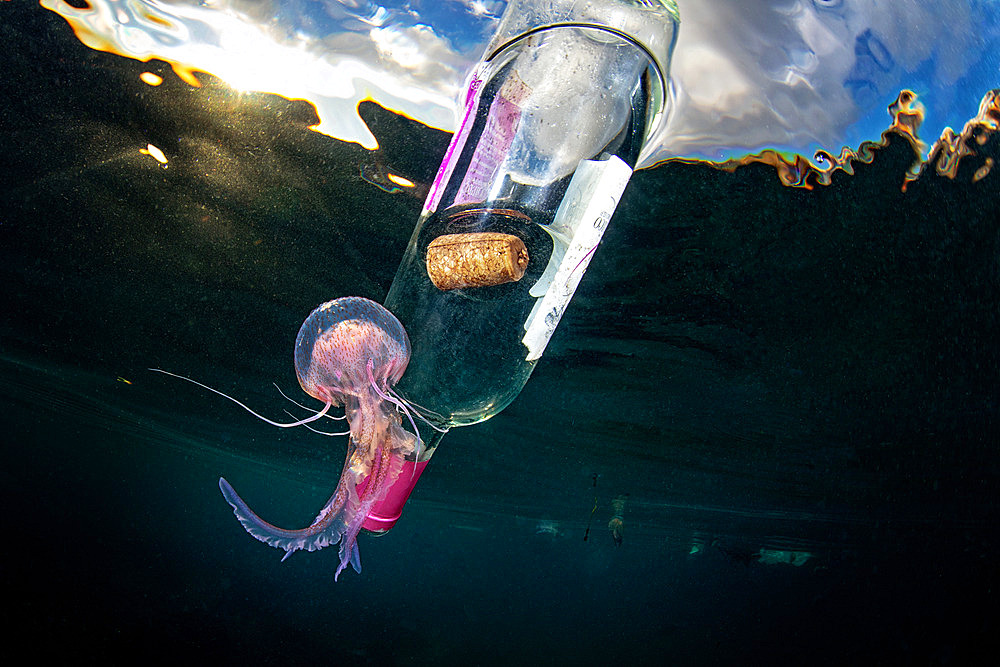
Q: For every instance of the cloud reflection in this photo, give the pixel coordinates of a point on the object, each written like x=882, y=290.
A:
x=800, y=75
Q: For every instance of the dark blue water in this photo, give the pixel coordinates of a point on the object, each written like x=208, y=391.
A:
x=797, y=391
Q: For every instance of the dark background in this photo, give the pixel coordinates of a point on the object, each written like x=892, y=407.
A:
x=757, y=367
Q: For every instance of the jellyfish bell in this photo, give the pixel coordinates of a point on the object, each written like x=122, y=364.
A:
x=340, y=339
x=351, y=351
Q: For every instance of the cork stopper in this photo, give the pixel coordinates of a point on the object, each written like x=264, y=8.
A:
x=479, y=259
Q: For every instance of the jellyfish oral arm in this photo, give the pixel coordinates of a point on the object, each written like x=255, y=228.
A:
x=326, y=530
x=340, y=520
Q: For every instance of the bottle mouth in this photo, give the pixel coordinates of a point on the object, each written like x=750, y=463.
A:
x=386, y=512
x=379, y=525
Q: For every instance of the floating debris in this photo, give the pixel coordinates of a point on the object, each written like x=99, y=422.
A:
x=617, y=523
x=548, y=527
x=586, y=534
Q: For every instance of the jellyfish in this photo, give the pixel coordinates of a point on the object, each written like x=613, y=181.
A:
x=349, y=352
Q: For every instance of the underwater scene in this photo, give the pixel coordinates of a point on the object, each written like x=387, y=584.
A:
x=253, y=263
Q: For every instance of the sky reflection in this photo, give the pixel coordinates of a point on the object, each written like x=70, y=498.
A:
x=791, y=75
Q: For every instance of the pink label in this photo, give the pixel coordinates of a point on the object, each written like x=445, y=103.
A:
x=495, y=141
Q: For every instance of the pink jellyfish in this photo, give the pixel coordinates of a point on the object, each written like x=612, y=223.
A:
x=349, y=352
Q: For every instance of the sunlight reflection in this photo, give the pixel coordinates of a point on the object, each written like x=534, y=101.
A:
x=249, y=57
x=154, y=153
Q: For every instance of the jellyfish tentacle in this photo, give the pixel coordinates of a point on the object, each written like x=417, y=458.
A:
x=391, y=392
x=399, y=404
x=316, y=430
x=294, y=402
x=300, y=422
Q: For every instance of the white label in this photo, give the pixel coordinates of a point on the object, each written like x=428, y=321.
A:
x=576, y=231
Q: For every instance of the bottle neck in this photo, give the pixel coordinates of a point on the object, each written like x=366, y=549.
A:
x=433, y=439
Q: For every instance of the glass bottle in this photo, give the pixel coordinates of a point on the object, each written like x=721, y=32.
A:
x=556, y=117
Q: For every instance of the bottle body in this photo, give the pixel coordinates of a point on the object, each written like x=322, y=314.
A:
x=554, y=122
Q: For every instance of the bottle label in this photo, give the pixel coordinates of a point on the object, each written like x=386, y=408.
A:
x=503, y=119
x=576, y=231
